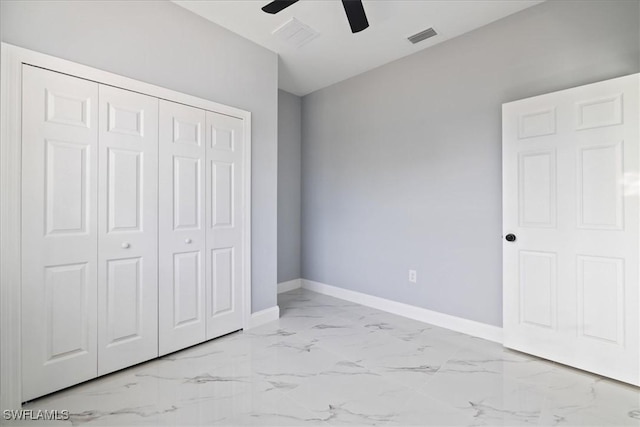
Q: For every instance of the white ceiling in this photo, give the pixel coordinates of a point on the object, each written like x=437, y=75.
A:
x=337, y=54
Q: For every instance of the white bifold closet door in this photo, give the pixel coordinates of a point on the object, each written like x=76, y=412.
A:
x=132, y=228
x=59, y=231
x=201, y=220
x=127, y=231
x=182, y=234
x=225, y=151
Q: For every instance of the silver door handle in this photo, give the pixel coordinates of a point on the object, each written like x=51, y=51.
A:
x=125, y=245
x=187, y=241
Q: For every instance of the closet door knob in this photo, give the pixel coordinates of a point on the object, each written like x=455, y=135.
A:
x=125, y=245
x=187, y=241
x=510, y=237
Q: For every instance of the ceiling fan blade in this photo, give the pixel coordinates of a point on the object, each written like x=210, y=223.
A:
x=278, y=5
x=355, y=14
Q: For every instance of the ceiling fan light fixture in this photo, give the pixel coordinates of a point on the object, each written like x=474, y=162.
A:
x=278, y=5
x=356, y=15
x=353, y=8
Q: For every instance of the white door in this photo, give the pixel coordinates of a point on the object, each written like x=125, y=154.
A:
x=59, y=231
x=570, y=188
x=225, y=210
x=182, y=233
x=128, y=223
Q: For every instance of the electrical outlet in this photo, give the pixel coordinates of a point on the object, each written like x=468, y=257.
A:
x=413, y=276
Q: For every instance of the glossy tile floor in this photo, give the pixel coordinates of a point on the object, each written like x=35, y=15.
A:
x=331, y=362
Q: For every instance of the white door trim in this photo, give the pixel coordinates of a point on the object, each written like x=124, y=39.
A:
x=12, y=59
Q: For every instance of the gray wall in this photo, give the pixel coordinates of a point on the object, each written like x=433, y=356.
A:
x=166, y=45
x=289, y=180
x=402, y=165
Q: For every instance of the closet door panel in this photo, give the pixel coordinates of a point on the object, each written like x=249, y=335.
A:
x=225, y=148
x=128, y=267
x=59, y=231
x=182, y=234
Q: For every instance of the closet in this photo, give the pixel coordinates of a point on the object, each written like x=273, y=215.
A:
x=133, y=228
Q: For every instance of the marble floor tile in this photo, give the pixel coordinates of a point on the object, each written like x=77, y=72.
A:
x=363, y=399
x=488, y=398
x=331, y=362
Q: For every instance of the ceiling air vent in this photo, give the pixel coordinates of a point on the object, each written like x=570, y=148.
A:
x=295, y=33
x=422, y=35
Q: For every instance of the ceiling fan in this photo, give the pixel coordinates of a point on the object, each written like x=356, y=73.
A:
x=353, y=8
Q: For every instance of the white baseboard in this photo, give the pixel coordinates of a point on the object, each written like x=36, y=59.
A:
x=261, y=317
x=289, y=286
x=458, y=324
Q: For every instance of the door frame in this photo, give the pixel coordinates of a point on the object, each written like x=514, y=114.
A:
x=12, y=60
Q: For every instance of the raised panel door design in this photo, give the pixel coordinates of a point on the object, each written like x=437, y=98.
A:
x=182, y=235
x=600, y=193
x=59, y=231
x=124, y=300
x=222, y=278
x=187, y=285
x=185, y=132
x=128, y=239
x=186, y=192
x=571, y=275
x=67, y=311
x=601, y=298
x=538, y=281
x=225, y=246
x=125, y=120
x=222, y=186
x=92, y=235
x=599, y=112
x=66, y=184
x=537, y=189
x=537, y=123
x=67, y=109
x=124, y=186
x=222, y=139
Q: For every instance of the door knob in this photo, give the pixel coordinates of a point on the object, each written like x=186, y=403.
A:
x=125, y=245
x=187, y=241
x=510, y=237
